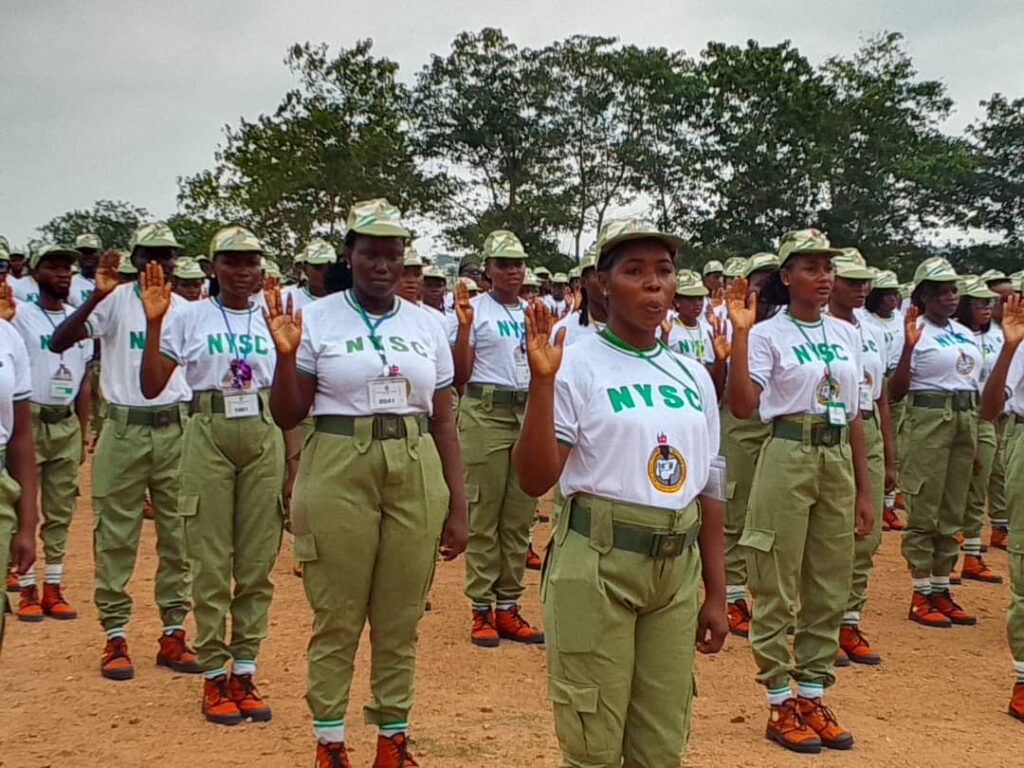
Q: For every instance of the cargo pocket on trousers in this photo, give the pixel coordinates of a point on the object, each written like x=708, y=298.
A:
x=304, y=548
x=577, y=723
x=188, y=508
x=730, y=490
x=573, y=587
x=758, y=545
x=472, y=496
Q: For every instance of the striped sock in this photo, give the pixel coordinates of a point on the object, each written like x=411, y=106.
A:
x=390, y=730
x=1000, y=524
x=212, y=674
x=851, y=618
x=940, y=584
x=505, y=605
x=329, y=731
x=1018, y=670
x=923, y=586
x=115, y=632
x=52, y=573
x=972, y=546
x=27, y=579
x=890, y=500
x=170, y=629
x=807, y=690
x=779, y=695
x=239, y=667
x=481, y=606
x=735, y=593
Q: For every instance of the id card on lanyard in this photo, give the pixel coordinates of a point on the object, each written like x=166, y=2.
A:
x=827, y=390
x=390, y=391
x=62, y=382
x=519, y=358
x=240, y=401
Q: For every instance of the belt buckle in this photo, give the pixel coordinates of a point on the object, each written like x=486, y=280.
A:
x=666, y=545
x=162, y=419
x=389, y=427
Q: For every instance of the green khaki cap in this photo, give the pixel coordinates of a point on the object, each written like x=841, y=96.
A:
x=531, y=280
x=412, y=258
x=575, y=273
x=851, y=265
x=204, y=257
x=589, y=260
x=469, y=260
x=560, y=278
x=936, y=270
x=48, y=249
x=734, y=266
x=432, y=271
x=712, y=267
x=502, y=244
x=1017, y=280
x=542, y=273
x=994, y=276
x=761, y=262
x=237, y=239
x=88, y=241
x=125, y=266
x=318, y=252
x=270, y=267
x=377, y=218
x=5, y=244
x=689, y=283
x=470, y=284
x=187, y=268
x=805, y=241
x=975, y=288
x=885, y=280
x=622, y=230
x=155, y=235
x=4, y=253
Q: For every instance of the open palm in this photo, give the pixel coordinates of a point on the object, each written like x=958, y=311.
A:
x=1013, y=319
x=155, y=291
x=543, y=355
x=106, y=272
x=741, y=306
x=285, y=326
x=6, y=302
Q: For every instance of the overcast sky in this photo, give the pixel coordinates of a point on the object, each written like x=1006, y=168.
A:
x=104, y=99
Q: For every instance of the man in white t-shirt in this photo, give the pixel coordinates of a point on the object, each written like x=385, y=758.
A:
x=139, y=449
x=60, y=413
x=313, y=262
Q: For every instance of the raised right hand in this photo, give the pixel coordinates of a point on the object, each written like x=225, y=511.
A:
x=7, y=306
x=284, y=326
x=106, y=273
x=155, y=292
x=463, y=309
x=911, y=331
x=742, y=307
x=544, y=356
x=1013, y=320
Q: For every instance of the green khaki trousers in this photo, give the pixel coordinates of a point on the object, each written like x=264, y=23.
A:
x=799, y=543
x=741, y=443
x=620, y=629
x=10, y=492
x=864, y=548
x=997, y=480
x=58, y=453
x=500, y=514
x=367, y=517
x=938, y=446
x=231, y=476
x=974, y=511
x=129, y=460
x=97, y=405
x=1013, y=446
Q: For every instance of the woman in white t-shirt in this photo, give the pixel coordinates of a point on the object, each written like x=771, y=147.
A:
x=592, y=315
x=939, y=373
x=18, y=511
x=379, y=491
x=802, y=370
x=232, y=464
x=632, y=431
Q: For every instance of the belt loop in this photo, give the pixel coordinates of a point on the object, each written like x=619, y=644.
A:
x=206, y=403
x=807, y=422
x=264, y=396
x=947, y=413
x=412, y=436
x=362, y=433
x=601, y=534
x=120, y=420
x=487, y=397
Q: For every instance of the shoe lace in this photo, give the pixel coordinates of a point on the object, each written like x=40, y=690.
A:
x=221, y=684
x=31, y=593
x=248, y=687
x=58, y=594
x=944, y=602
x=744, y=611
x=337, y=756
x=398, y=746
x=861, y=639
x=825, y=713
x=517, y=619
x=791, y=716
x=482, y=620
x=117, y=648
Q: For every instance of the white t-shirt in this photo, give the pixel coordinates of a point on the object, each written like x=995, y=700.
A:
x=36, y=326
x=989, y=344
x=945, y=358
x=199, y=339
x=337, y=349
x=497, y=335
x=81, y=287
x=556, y=306
x=301, y=297
x=119, y=322
x=792, y=362
x=573, y=330
x=893, y=332
x=1014, y=383
x=642, y=431
x=694, y=343
x=873, y=357
x=24, y=289
x=15, y=378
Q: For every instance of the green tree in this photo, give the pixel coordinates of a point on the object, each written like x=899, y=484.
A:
x=999, y=184
x=113, y=221
x=340, y=136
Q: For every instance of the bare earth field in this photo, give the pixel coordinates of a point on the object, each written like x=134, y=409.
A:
x=939, y=699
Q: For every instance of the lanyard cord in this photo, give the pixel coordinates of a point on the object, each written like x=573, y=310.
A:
x=629, y=349
x=49, y=319
x=378, y=345
x=824, y=336
x=515, y=323
x=248, y=330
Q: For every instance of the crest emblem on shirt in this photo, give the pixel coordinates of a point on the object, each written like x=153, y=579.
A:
x=964, y=364
x=666, y=468
x=827, y=390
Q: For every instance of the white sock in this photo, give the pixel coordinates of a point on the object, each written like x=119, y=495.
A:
x=890, y=500
x=972, y=546
x=852, y=618
x=27, y=579
x=940, y=584
x=505, y=605
x=735, y=593
x=779, y=695
x=212, y=674
x=999, y=524
x=810, y=690
x=1018, y=670
x=170, y=629
x=52, y=573
x=115, y=632
x=481, y=606
x=239, y=667
x=329, y=731
x=923, y=586
x=388, y=730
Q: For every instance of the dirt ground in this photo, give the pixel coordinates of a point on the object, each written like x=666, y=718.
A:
x=938, y=699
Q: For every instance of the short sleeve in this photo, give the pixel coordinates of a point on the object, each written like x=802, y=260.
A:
x=853, y=407
x=1015, y=374
x=451, y=326
x=709, y=402
x=172, y=337
x=443, y=361
x=306, y=354
x=566, y=418
x=760, y=358
x=895, y=349
x=101, y=320
x=22, y=369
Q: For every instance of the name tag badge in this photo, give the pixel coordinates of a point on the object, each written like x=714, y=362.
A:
x=239, y=405
x=388, y=393
x=62, y=384
x=522, y=369
x=865, y=397
x=835, y=414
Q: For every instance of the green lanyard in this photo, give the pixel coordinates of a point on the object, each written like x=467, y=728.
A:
x=824, y=336
x=648, y=357
x=378, y=345
x=696, y=343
